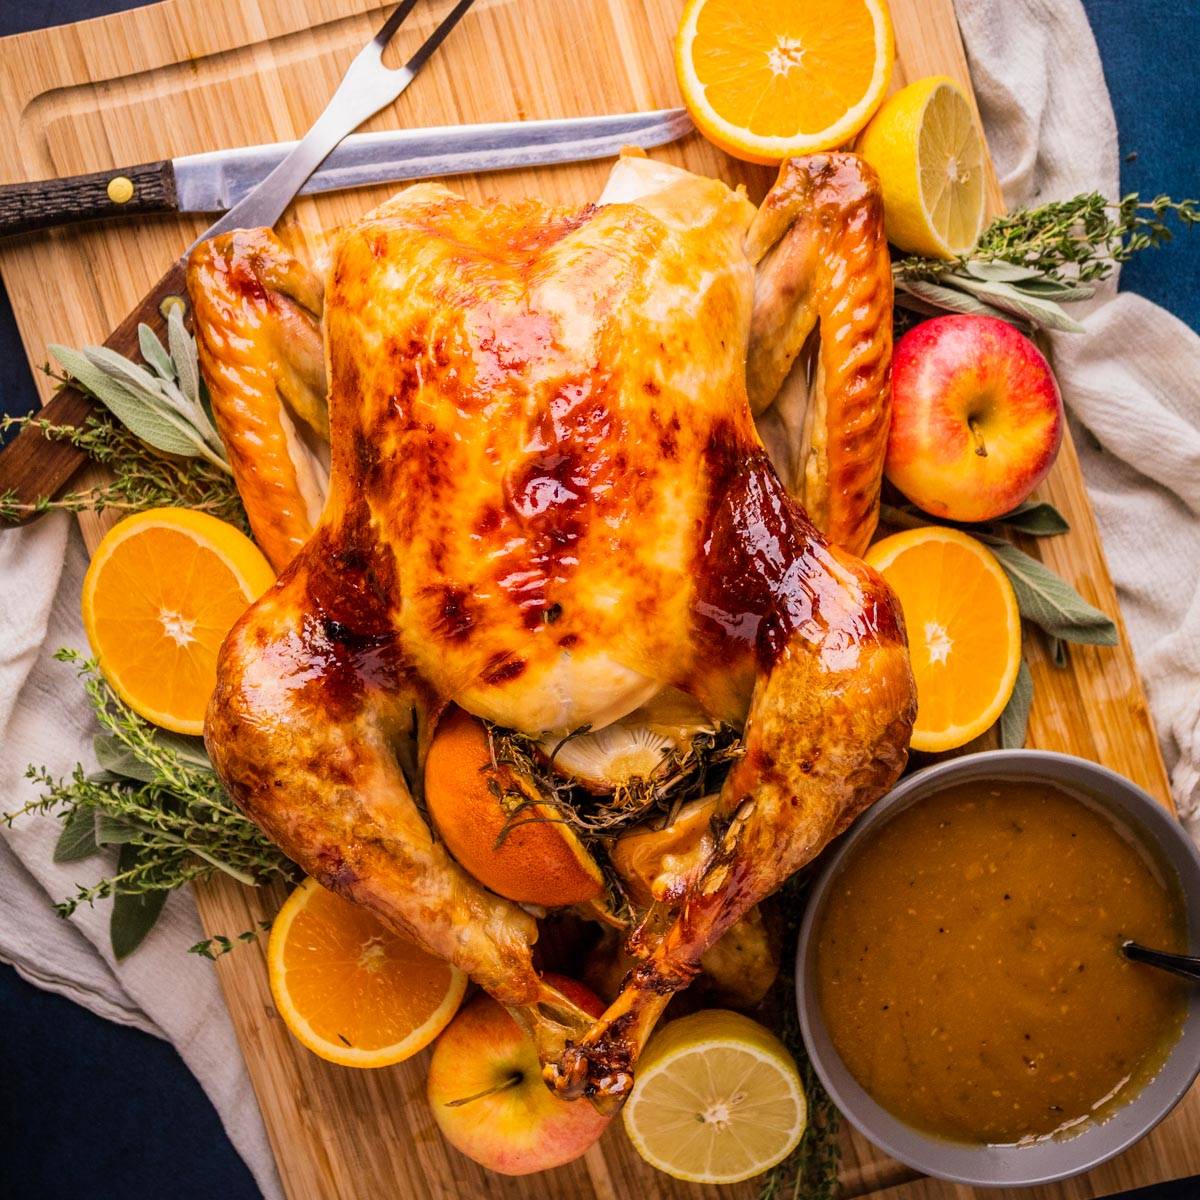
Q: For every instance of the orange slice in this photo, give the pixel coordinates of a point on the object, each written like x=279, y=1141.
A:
x=523, y=853
x=349, y=989
x=163, y=589
x=964, y=631
x=766, y=79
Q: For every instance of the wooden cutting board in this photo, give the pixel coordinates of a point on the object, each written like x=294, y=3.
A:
x=191, y=75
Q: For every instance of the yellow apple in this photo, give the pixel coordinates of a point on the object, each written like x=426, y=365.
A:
x=977, y=418
x=486, y=1091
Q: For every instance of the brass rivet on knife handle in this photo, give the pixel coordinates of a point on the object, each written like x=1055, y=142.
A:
x=33, y=466
x=120, y=189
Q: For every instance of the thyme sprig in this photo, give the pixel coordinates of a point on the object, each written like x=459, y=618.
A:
x=158, y=799
x=1030, y=259
x=221, y=944
x=1083, y=238
x=687, y=772
x=140, y=477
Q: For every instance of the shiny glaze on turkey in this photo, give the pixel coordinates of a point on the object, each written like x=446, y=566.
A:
x=548, y=502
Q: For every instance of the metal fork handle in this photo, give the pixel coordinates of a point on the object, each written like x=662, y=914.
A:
x=365, y=88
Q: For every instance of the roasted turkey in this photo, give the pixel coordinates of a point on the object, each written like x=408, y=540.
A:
x=548, y=502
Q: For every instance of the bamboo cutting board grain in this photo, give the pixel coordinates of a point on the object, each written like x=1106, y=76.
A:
x=191, y=75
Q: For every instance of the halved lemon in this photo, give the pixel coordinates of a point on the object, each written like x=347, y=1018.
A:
x=766, y=79
x=717, y=1099
x=924, y=144
x=964, y=630
x=163, y=589
x=349, y=989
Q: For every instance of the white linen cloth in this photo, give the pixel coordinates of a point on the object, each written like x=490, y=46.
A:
x=1131, y=382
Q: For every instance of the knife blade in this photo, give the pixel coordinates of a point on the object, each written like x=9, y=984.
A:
x=216, y=180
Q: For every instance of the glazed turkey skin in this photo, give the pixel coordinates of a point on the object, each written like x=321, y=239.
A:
x=548, y=502
x=527, y=393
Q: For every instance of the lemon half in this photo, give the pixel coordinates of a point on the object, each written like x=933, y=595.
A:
x=924, y=143
x=718, y=1099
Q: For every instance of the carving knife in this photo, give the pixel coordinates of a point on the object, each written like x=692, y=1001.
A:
x=215, y=181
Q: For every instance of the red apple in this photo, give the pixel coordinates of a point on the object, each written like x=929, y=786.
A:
x=977, y=418
x=509, y=1122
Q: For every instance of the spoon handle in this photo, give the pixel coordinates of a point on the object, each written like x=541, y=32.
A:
x=1179, y=964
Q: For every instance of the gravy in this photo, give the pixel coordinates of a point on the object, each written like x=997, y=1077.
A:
x=968, y=965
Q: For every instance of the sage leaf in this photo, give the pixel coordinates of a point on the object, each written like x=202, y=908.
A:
x=1057, y=289
x=153, y=410
x=88, y=376
x=1037, y=518
x=103, y=777
x=121, y=370
x=1014, y=720
x=157, y=426
x=189, y=750
x=1050, y=602
x=78, y=837
x=187, y=365
x=998, y=271
x=183, y=352
x=116, y=758
x=914, y=304
x=952, y=299
x=155, y=353
x=133, y=913
x=112, y=831
x=1037, y=312
x=155, y=392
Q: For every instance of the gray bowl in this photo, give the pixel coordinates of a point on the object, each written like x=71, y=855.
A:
x=1051, y=1159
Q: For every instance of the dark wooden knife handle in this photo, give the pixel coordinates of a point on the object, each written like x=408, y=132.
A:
x=33, y=466
x=148, y=188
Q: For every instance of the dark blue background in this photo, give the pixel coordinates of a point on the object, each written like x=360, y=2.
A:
x=95, y=1110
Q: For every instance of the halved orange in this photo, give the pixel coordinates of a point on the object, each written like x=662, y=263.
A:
x=349, y=989
x=522, y=850
x=163, y=589
x=767, y=79
x=964, y=630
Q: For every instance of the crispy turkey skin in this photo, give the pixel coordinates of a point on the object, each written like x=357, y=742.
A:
x=548, y=502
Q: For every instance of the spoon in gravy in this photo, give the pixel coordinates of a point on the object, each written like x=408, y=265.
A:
x=1186, y=965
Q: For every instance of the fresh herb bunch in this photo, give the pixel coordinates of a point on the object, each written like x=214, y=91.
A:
x=164, y=406
x=159, y=802
x=156, y=436
x=1029, y=260
x=140, y=478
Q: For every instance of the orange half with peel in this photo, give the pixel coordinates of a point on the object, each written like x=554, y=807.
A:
x=163, y=589
x=350, y=989
x=519, y=848
x=767, y=79
x=964, y=630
